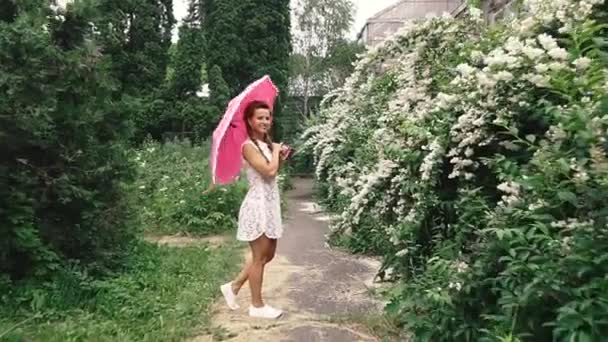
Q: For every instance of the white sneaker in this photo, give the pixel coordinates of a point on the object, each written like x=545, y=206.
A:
x=265, y=311
x=229, y=296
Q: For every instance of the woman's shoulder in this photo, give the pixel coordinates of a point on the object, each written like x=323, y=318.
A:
x=246, y=142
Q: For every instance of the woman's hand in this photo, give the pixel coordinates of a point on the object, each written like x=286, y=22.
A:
x=277, y=147
x=285, y=152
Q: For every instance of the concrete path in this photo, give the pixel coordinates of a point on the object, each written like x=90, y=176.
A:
x=312, y=283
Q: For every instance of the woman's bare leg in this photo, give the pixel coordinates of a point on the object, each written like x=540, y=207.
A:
x=260, y=251
x=240, y=280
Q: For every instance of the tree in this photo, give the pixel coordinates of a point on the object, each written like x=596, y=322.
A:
x=8, y=10
x=225, y=43
x=267, y=34
x=219, y=92
x=321, y=26
x=189, y=54
x=247, y=39
x=63, y=163
x=340, y=61
x=137, y=35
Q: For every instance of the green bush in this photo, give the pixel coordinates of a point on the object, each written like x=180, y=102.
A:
x=63, y=164
x=170, y=184
x=475, y=160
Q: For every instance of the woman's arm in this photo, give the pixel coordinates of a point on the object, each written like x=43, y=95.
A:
x=255, y=158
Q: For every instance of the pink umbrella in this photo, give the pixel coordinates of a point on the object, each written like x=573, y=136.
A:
x=231, y=132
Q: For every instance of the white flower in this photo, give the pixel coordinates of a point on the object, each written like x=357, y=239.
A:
x=475, y=12
x=504, y=76
x=541, y=68
x=532, y=52
x=538, y=80
x=402, y=252
x=514, y=45
x=445, y=100
x=476, y=56
x=558, y=53
x=511, y=188
x=461, y=267
x=556, y=66
x=547, y=42
x=527, y=24
x=582, y=63
x=431, y=159
x=485, y=81
x=455, y=285
x=465, y=69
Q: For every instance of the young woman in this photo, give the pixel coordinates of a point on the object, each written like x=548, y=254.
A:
x=260, y=214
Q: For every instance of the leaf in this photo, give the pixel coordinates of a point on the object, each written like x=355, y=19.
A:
x=567, y=196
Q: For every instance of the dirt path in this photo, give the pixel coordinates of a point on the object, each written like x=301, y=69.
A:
x=312, y=283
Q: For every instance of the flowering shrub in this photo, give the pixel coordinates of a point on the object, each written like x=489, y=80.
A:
x=475, y=160
x=170, y=185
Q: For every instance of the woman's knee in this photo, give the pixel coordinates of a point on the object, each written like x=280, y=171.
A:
x=269, y=257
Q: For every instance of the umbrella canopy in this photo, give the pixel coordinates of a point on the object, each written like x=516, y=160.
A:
x=231, y=132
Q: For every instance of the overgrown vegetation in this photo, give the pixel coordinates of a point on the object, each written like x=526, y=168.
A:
x=162, y=294
x=169, y=188
x=64, y=166
x=475, y=160
x=79, y=86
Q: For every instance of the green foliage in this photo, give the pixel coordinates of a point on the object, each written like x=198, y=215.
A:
x=474, y=159
x=136, y=34
x=225, y=42
x=219, y=92
x=63, y=166
x=189, y=55
x=163, y=294
x=170, y=184
x=176, y=108
x=247, y=40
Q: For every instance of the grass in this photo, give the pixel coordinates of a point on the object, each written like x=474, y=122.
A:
x=165, y=295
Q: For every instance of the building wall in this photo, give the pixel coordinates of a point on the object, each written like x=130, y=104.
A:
x=493, y=10
x=378, y=28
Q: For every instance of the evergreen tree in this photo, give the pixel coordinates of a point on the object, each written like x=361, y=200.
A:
x=137, y=35
x=219, y=92
x=189, y=55
x=267, y=35
x=63, y=164
x=247, y=39
x=225, y=44
x=8, y=10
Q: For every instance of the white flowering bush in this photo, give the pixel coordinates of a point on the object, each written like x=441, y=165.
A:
x=475, y=160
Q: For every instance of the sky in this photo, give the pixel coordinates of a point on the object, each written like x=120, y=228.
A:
x=364, y=9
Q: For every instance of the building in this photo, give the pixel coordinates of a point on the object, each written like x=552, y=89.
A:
x=493, y=10
x=388, y=21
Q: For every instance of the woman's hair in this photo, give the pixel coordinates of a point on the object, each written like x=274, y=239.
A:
x=249, y=112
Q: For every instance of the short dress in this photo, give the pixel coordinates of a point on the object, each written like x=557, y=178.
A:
x=260, y=211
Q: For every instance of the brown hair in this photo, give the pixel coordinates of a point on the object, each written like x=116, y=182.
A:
x=249, y=112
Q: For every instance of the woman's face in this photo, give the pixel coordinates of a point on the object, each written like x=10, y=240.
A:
x=260, y=121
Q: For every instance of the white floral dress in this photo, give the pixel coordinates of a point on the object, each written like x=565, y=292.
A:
x=260, y=211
